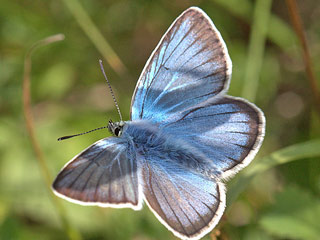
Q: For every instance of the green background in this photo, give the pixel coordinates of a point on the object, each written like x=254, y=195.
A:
x=275, y=197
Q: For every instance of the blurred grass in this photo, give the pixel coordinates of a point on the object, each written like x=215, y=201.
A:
x=300, y=151
x=289, y=219
x=27, y=109
x=95, y=36
x=298, y=26
x=256, y=48
x=279, y=32
x=69, y=95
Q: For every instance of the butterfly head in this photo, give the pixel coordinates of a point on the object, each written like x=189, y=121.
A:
x=116, y=128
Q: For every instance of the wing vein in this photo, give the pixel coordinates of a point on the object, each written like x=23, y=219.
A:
x=147, y=91
x=170, y=206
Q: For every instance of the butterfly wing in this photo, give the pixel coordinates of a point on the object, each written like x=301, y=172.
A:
x=182, y=179
x=188, y=204
x=228, y=130
x=182, y=89
x=189, y=65
x=105, y=174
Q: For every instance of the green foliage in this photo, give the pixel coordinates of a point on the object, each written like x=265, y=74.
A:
x=293, y=153
x=294, y=214
x=275, y=197
x=55, y=82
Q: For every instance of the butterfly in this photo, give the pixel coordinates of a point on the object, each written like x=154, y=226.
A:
x=185, y=136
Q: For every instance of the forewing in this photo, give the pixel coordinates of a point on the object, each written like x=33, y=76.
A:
x=228, y=131
x=188, y=204
x=189, y=65
x=104, y=174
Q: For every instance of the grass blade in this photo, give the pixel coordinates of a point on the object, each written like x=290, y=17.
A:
x=292, y=153
x=95, y=36
x=256, y=48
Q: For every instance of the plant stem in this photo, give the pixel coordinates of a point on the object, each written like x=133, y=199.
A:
x=298, y=27
x=26, y=98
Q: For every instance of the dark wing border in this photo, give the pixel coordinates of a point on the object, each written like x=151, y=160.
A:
x=223, y=46
x=135, y=207
x=256, y=146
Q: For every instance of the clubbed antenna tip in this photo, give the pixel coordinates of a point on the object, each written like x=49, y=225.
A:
x=79, y=134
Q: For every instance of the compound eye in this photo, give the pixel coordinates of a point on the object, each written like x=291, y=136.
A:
x=117, y=131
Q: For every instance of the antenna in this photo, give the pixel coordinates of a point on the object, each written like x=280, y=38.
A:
x=114, y=99
x=71, y=136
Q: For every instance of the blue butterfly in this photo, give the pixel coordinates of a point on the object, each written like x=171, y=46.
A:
x=185, y=136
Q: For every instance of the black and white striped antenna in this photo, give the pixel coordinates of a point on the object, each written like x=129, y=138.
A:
x=114, y=99
x=109, y=85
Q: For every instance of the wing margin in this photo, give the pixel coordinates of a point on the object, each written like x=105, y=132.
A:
x=153, y=66
x=187, y=204
x=105, y=175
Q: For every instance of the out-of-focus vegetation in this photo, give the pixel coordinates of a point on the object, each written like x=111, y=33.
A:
x=276, y=197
